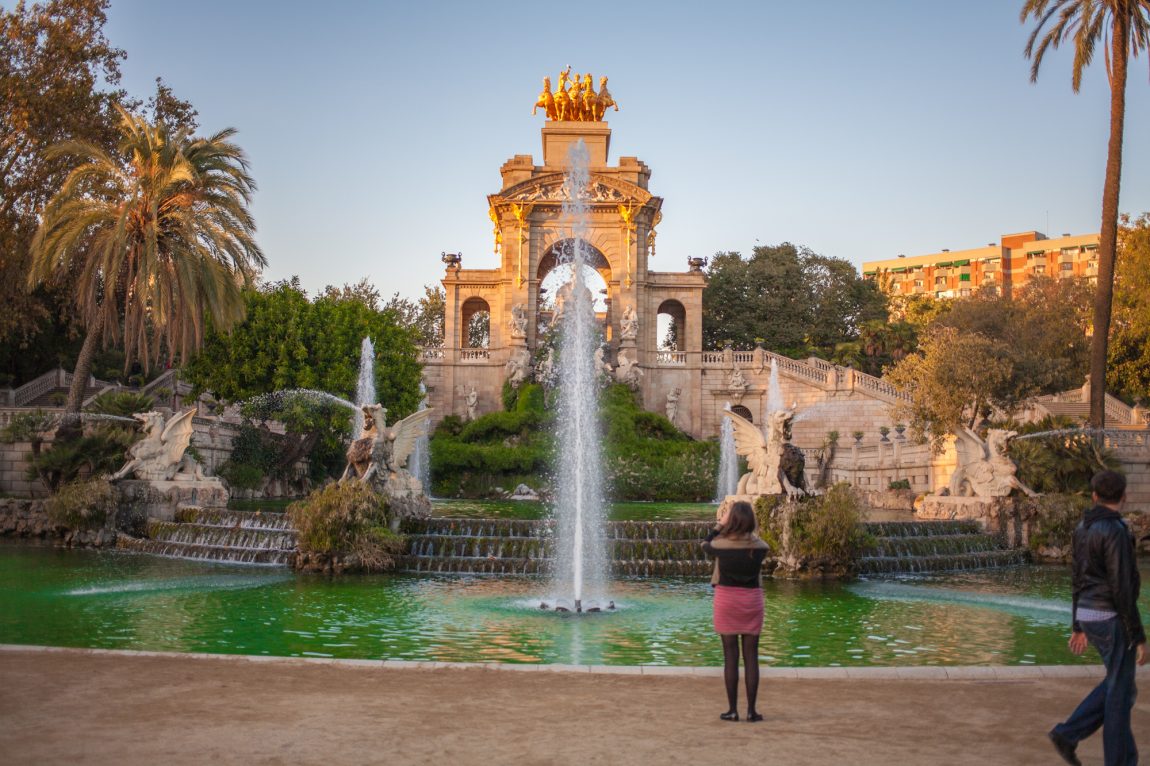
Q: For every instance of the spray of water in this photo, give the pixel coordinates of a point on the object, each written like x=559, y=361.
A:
x=581, y=562
x=420, y=461
x=774, y=393
x=365, y=384
x=728, y=479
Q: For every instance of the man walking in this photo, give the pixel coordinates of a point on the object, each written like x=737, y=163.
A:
x=1105, y=614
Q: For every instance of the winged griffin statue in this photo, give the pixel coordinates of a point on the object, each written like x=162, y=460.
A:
x=160, y=455
x=764, y=454
x=380, y=455
x=984, y=468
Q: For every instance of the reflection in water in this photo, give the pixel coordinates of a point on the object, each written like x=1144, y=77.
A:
x=116, y=600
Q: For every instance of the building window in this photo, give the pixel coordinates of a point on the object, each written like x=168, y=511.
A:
x=1039, y=269
x=1068, y=267
x=940, y=280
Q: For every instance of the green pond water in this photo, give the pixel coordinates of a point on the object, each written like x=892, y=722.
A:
x=123, y=600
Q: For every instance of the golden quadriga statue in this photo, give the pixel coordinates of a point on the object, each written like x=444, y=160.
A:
x=575, y=100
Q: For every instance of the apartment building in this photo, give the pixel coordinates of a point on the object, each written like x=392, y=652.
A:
x=1002, y=268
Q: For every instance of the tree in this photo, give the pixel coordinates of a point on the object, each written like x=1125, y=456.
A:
x=57, y=82
x=1129, y=374
x=952, y=380
x=287, y=341
x=1125, y=26
x=796, y=300
x=424, y=316
x=156, y=237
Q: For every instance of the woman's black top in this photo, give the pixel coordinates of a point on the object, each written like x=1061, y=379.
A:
x=739, y=560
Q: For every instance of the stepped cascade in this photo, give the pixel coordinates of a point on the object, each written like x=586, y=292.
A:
x=503, y=546
x=241, y=537
x=935, y=546
x=672, y=548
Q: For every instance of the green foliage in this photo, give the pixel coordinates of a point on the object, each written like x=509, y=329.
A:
x=83, y=504
x=645, y=456
x=96, y=452
x=121, y=403
x=899, y=484
x=344, y=519
x=287, y=342
x=31, y=427
x=1059, y=463
x=795, y=300
x=1128, y=371
x=823, y=533
x=1055, y=517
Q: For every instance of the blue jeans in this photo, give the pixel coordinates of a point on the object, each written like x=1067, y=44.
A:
x=1109, y=705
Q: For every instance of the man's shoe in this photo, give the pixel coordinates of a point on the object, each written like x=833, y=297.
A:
x=1065, y=748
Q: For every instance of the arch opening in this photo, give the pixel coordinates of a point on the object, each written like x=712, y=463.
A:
x=671, y=326
x=475, y=324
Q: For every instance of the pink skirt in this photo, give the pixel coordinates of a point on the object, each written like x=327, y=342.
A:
x=738, y=611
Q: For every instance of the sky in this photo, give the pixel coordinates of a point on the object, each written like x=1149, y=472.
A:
x=861, y=130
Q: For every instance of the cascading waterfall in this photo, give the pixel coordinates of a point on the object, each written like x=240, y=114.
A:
x=365, y=385
x=728, y=480
x=581, y=569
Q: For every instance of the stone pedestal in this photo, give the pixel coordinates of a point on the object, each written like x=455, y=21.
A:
x=161, y=499
x=996, y=515
x=558, y=137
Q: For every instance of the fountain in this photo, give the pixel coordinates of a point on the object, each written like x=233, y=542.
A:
x=728, y=480
x=581, y=562
x=420, y=461
x=365, y=384
x=774, y=393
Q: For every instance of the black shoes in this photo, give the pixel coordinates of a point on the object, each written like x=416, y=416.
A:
x=1065, y=748
x=731, y=716
x=753, y=717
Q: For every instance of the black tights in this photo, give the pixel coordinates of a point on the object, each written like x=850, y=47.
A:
x=731, y=670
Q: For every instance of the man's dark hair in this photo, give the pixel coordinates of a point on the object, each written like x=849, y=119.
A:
x=740, y=519
x=1110, y=486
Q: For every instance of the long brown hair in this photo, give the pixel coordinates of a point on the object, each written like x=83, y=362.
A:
x=740, y=520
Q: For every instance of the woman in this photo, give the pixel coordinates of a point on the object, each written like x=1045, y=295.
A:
x=738, y=553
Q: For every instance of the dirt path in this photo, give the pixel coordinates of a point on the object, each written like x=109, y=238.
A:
x=75, y=708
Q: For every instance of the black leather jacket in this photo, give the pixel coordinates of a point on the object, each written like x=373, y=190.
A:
x=1105, y=570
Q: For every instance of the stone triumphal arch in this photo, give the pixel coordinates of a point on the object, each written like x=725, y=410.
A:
x=530, y=234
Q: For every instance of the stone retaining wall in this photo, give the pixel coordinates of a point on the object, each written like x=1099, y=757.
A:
x=29, y=519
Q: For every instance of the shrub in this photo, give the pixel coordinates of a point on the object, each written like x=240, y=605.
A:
x=1055, y=517
x=121, y=403
x=899, y=484
x=81, y=504
x=1061, y=462
x=823, y=534
x=346, y=519
x=98, y=452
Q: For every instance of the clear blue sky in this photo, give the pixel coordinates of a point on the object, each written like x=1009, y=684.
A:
x=860, y=129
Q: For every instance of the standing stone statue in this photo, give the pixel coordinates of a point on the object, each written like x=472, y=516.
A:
x=737, y=384
x=673, y=403
x=629, y=323
x=472, y=404
x=518, y=321
x=602, y=366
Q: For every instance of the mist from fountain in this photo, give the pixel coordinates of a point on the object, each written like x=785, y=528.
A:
x=581, y=564
x=365, y=384
x=728, y=479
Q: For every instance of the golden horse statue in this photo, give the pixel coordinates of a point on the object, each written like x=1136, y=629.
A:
x=546, y=100
x=575, y=99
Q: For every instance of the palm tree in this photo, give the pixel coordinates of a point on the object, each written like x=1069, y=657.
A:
x=155, y=238
x=1124, y=25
